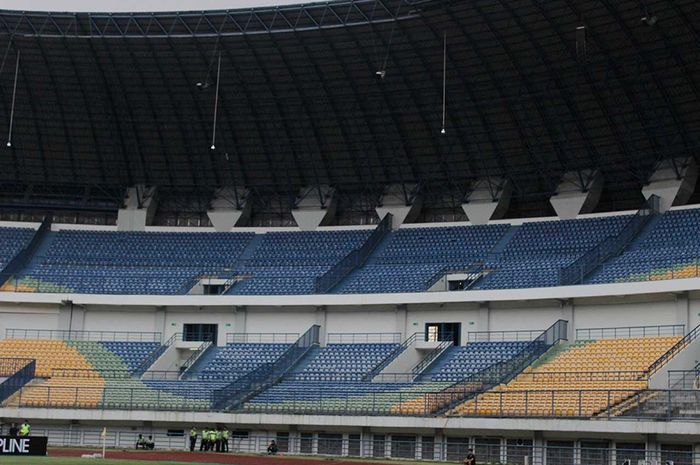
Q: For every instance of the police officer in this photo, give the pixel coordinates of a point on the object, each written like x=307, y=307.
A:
x=204, y=440
x=224, y=439
x=193, y=438
x=25, y=429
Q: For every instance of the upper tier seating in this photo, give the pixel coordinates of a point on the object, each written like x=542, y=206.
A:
x=670, y=250
x=413, y=256
x=133, y=354
x=554, y=383
x=133, y=262
x=49, y=355
x=235, y=360
x=538, y=250
x=289, y=262
x=12, y=241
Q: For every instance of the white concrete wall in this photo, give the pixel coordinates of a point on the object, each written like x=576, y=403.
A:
x=28, y=317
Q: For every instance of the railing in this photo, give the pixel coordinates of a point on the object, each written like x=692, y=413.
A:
x=421, y=366
x=583, y=376
x=82, y=373
x=390, y=358
x=609, y=247
x=629, y=332
x=22, y=259
x=161, y=375
x=684, y=379
x=18, y=379
x=499, y=373
x=104, y=336
x=503, y=336
x=679, y=346
x=363, y=338
x=664, y=269
x=155, y=355
x=354, y=259
x=196, y=354
x=267, y=374
x=261, y=338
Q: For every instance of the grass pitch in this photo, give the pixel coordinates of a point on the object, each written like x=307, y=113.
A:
x=81, y=461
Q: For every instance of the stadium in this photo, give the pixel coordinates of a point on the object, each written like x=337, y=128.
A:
x=364, y=229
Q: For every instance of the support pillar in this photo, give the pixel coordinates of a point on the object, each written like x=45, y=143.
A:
x=138, y=209
x=230, y=207
x=673, y=182
x=489, y=200
x=484, y=318
x=402, y=320
x=321, y=317
x=683, y=310
x=241, y=313
x=578, y=192
x=403, y=201
x=315, y=206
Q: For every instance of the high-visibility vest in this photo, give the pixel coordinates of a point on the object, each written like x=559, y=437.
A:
x=193, y=433
x=24, y=429
x=225, y=434
x=212, y=435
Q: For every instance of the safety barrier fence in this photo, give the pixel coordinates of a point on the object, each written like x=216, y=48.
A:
x=425, y=447
x=21, y=376
x=81, y=373
x=677, y=404
x=261, y=338
x=609, y=247
x=503, y=336
x=629, y=332
x=354, y=259
x=100, y=336
x=684, y=379
x=363, y=338
x=267, y=374
x=391, y=357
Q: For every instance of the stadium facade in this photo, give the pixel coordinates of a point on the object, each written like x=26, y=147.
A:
x=324, y=300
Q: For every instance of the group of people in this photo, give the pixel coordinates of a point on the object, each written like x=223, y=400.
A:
x=22, y=430
x=142, y=443
x=215, y=440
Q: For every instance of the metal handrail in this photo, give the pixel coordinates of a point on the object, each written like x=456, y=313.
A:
x=261, y=338
x=670, y=353
x=417, y=370
x=155, y=355
x=629, y=331
x=363, y=338
x=390, y=358
x=503, y=336
x=74, y=335
x=196, y=354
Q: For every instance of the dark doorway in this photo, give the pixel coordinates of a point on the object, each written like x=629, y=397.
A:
x=200, y=332
x=443, y=332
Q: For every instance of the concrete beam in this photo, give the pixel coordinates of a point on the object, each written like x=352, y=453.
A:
x=673, y=182
x=315, y=206
x=578, y=192
x=230, y=207
x=138, y=209
x=488, y=200
x=403, y=201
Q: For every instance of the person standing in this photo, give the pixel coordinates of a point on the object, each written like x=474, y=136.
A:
x=193, y=438
x=25, y=429
x=470, y=459
x=204, y=440
x=224, y=439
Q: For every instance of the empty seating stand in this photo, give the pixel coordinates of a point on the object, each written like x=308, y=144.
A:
x=473, y=358
x=12, y=241
x=236, y=359
x=132, y=262
x=289, y=262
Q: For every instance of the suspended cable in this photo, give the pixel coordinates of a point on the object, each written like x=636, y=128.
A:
x=381, y=72
x=14, y=95
x=216, y=103
x=444, y=82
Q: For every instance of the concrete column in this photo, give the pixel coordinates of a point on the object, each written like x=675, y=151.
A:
x=321, y=318
x=440, y=448
x=241, y=313
x=568, y=314
x=683, y=310
x=365, y=442
x=138, y=208
x=653, y=454
x=160, y=320
x=401, y=312
x=71, y=316
x=483, y=321
x=539, y=456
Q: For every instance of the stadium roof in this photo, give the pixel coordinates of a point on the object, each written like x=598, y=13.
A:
x=533, y=88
